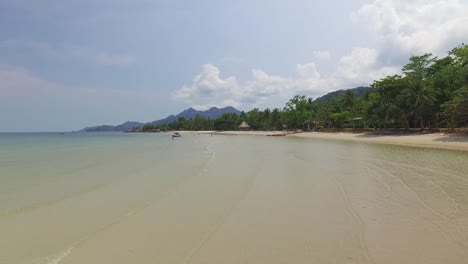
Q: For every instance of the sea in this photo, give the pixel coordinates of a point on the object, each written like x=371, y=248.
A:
x=111, y=198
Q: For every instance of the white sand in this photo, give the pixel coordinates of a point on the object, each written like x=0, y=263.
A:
x=440, y=141
x=241, y=133
x=436, y=140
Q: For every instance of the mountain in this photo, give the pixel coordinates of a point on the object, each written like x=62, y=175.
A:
x=360, y=92
x=212, y=113
x=128, y=125
x=107, y=128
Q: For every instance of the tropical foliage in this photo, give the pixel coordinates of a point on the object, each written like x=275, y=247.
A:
x=430, y=92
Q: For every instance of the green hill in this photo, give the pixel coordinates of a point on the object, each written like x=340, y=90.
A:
x=360, y=92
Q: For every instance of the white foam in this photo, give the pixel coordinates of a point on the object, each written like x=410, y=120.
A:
x=56, y=259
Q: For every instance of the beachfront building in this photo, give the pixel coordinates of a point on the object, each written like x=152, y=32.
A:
x=311, y=125
x=244, y=126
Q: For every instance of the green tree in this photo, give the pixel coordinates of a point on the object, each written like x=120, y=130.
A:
x=348, y=100
x=456, y=110
x=460, y=55
x=384, y=106
x=198, y=121
x=340, y=118
x=419, y=96
x=254, y=118
x=276, y=120
x=227, y=121
x=296, y=111
x=324, y=114
x=266, y=119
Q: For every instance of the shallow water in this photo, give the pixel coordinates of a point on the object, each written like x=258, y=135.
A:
x=144, y=198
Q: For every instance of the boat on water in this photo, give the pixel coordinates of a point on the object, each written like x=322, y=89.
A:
x=176, y=134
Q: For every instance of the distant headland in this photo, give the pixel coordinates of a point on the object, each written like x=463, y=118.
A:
x=187, y=114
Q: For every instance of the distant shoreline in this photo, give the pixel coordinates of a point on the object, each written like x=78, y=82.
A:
x=431, y=140
x=238, y=133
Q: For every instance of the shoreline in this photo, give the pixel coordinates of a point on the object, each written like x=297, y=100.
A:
x=431, y=140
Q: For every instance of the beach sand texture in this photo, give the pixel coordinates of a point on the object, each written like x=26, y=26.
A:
x=219, y=199
x=435, y=140
x=431, y=140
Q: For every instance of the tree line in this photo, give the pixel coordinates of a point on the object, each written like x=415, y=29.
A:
x=430, y=92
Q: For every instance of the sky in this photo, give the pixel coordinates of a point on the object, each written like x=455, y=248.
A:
x=65, y=65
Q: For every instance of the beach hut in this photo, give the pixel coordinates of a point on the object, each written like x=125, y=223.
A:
x=244, y=126
x=308, y=123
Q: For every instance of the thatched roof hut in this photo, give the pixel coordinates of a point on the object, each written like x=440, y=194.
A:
x=244, y=126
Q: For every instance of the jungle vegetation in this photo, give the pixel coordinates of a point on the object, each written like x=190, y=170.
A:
x=431, y=92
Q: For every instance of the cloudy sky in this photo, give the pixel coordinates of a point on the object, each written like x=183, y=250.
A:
x=69, y=64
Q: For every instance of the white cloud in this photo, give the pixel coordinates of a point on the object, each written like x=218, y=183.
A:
x=321, y=55
x=264, y=84
x=208, y=83
x=210, y=89
x=399, y=28
x=415, y=26
x=361, y=66
x=308, y=70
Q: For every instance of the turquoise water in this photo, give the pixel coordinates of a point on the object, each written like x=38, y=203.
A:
x=145, y=198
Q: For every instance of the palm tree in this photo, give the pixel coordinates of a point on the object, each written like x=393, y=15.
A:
x=349, y=100
x=309, y=103
x=419, y=98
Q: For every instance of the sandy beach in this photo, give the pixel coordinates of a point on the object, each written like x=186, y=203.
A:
x=233, y=133
x=434, y=140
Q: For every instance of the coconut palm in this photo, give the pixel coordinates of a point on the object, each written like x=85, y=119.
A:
x=419, y=98
x=348, y=100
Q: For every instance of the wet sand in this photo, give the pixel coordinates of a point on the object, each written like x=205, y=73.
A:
x=202, y=199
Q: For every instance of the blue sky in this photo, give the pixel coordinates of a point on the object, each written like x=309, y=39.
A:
x=69, y=64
